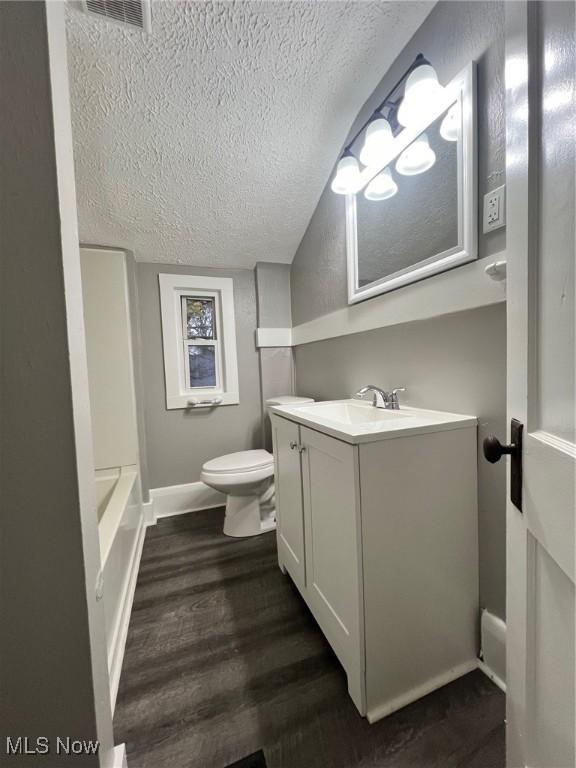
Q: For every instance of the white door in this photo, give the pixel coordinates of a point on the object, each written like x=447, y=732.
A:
x=289, y=513
x=540, y=170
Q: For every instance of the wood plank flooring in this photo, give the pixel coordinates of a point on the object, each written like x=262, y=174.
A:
x=223, y=659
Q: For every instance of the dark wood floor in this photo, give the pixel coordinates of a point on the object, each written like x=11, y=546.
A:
x=224, y=659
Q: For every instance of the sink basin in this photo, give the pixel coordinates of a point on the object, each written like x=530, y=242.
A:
x=352, y=412
x=358, y=421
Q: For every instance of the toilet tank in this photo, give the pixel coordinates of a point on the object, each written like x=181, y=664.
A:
x=279, y=400
x=287, y=400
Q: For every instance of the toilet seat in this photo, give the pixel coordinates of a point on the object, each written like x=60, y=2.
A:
x=240, y=471
x=240, y=462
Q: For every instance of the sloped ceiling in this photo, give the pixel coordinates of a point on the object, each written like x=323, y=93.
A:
x=209, y=141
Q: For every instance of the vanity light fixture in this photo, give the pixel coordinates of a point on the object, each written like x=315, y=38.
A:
x=345, y=182
x=376, y=142
x=451, y=123
x=421, y=91
x=381, y=187
x=416, y=158
x=420, y=94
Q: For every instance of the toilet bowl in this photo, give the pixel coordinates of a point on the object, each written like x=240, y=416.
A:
x=247, y=479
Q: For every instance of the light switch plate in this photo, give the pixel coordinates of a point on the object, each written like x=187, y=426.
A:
x=495, y=209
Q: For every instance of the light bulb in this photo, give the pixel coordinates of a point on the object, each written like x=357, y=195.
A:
x=421, y=91
x=345, y=182
x=381, y=187
x=449, y=127
x=416, y=158
x=376, y=142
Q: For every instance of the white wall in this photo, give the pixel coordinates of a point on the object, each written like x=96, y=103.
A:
x=109, y=352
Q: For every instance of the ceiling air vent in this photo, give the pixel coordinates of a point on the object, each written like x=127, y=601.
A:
x=135, y=13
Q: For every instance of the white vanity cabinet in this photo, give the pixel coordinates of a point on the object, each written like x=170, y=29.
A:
x=379, y=534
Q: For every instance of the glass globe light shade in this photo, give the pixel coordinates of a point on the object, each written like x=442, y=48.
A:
x=376, y=142
x=381, y=187
x=416, y=158
x=345, y=180
x=449, y=127
x=421, y=91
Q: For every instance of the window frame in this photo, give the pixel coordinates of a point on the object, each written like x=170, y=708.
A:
x=173, y=287
x=215, y=342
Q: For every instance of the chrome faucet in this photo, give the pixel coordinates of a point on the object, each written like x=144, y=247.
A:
x=382, y=399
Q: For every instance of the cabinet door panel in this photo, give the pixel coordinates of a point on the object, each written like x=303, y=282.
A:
x=334, y=593
x=289, y=513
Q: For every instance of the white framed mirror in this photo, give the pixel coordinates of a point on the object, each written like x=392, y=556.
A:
x=414, y=214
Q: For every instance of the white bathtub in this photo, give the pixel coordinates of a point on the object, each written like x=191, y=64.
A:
x=121, y=533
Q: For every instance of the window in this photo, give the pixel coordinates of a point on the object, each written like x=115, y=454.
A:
x=199, y=337
x=200, y=341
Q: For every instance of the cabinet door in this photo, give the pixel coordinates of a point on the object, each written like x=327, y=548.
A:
x=289, y=513
x=332, y=526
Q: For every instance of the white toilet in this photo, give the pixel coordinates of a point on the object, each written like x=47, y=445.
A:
x=247, y=478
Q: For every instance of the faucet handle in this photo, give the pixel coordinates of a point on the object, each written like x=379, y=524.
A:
x=394, y=402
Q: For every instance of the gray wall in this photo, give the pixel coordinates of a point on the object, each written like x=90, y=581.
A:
x=452, y=363
x=455, y=362
x=54, y=677
x=179, y=441
x=454, y=34
x=274, y=300
x=274, y=311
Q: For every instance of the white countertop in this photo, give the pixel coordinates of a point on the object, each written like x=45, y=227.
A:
x=358, y=421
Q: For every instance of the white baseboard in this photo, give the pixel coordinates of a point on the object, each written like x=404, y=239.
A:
x=383, y=710
x=119, y=756
x=148, y=513
x=180, y=499
x=492, y=675
x=119, y=641
x=493, y=644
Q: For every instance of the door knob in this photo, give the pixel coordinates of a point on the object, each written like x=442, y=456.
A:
x=494, y=450
x=293, y=445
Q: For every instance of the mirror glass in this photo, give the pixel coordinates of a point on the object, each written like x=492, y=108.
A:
x=415, y=215
x=418, y=222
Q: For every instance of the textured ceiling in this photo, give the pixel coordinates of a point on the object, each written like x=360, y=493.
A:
x=209, y=141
